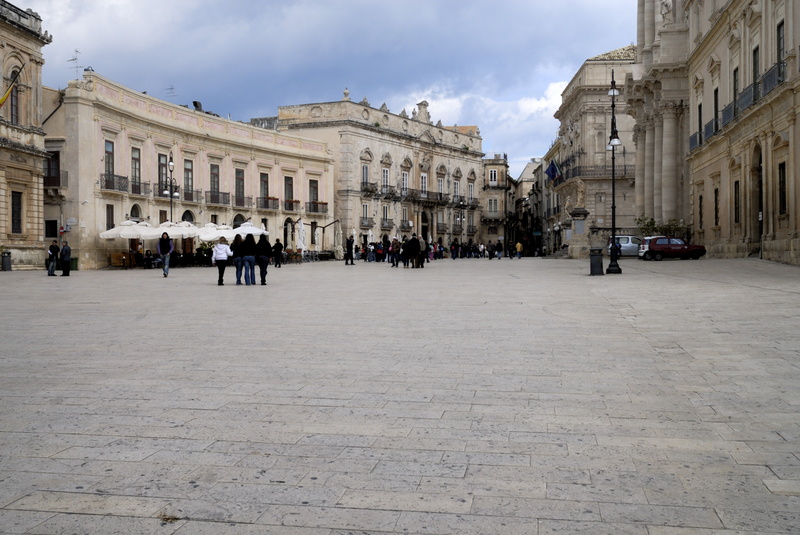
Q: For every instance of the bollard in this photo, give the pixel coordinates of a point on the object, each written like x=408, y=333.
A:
x=596, y=261
x=6, y=260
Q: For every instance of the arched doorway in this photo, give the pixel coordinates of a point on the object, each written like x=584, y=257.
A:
x=424, y=229
x=288, y=232
x=238, y=220
x=187, y=216
x=136, y=213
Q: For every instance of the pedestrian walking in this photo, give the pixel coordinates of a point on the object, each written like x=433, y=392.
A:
x=277, y=253
x=66, y=258
x=238, y=257
x=52, y=258
x=348, y=253
x=519, y=251
x=263, y=252
x=219, y=257
x=164, y=248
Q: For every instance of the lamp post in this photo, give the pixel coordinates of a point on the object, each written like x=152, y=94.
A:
x=613, y=143
x=171, y=189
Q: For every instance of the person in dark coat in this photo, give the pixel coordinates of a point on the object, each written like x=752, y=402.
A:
x=238, y=257
x=164, y=249
x=249, y=260
x=348, y=254
x=66, y=258
x=277, y=253
x=411, y=250
x=263, y=252
x=52, y=258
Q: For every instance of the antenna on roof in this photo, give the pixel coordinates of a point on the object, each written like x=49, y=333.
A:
x=74, y=59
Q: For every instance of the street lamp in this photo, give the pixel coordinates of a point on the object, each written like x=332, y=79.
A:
x=613, y=143
x=171, y=189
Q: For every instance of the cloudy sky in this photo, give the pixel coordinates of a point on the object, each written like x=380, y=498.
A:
x=497, y=64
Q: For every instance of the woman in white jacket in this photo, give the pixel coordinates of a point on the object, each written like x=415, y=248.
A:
x=219, y=257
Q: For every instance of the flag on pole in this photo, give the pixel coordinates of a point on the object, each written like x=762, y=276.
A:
x=553, y=171
x=10, y=86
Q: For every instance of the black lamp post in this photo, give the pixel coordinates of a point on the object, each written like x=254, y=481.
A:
x=171, y=189
x=613, y=143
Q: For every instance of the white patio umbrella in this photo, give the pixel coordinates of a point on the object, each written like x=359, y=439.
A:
x=173, y=230
x=128, y=230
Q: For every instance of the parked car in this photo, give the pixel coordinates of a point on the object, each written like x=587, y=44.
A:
x=660, y=247
x=628, y=245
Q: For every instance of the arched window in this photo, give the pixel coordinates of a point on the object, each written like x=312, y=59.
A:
x=238, y=220
x=13, y=99
x=188, y=216
x=136, y=212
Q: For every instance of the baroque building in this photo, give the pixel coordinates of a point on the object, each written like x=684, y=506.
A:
x=116, y=145
x=657, y=94
x=744, y=139
x=22, y=153
x=395, y=174
x=583, y=181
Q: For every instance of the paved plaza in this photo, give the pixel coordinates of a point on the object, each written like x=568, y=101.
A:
x=471, y=397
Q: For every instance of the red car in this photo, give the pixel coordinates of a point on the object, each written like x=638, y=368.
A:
x=660, y=247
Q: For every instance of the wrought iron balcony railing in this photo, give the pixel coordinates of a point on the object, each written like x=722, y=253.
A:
x=317, y=207
x=57, y=180
x=222, y=198
x=268, y=203
x=111, y=182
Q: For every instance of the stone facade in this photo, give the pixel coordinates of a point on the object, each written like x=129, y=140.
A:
x=585, y=185
x=744, y=143
x=22, y=152
x=395, y=174
x=114, y=144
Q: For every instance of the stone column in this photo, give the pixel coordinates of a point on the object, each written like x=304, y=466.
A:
x=649, y=162
x=669, y=168
x=639, y=183
x=649, y=30
x=658, y=159
x=640, y=30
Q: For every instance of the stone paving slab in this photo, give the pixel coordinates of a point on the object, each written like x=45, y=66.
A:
x=471, y=397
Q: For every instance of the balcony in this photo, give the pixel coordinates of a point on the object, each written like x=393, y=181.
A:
x=459, y=200
x=192, y=195
x=773, y=77
x=408, y=194
x=458, y=228
x=218, y=197
x=268, y=203
x=316, y=207
x=242, y=201
x=473, y=203
x=472, y=230
x=140, y=188
x=710, y=129
x=368, y=189
x=290, y=205
x=748, y=96
x=387, y=224
x=366, y=222
x=56, y=180
x=388, y=192
x=406, y=225
x=109, y=182
x=729, y=113
x=440, y=198
x=441, y=228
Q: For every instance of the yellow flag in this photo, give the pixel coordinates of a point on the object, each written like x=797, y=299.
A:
x=10, y=87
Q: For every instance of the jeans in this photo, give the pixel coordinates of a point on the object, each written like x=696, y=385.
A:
x=249, y=270
x=165, y=263
x=238, y=261
x=51, y=267
x=221, y=264
x=263, y=262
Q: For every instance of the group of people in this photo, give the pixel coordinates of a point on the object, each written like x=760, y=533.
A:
x=56, y=256
x=246, y=253
x=415, y=251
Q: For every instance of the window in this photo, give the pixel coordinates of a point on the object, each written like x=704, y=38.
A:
x=780, y=42
x=364, y=173
x=288, y=188
x=456, y=188
x=214, y=178
x=405, y=182
x=423, y=183
x=736, y=203
x=16, y=212
x=162, y=173
x=136, y=170
x=110, y=216
x=441, y=185
x=492, y=177
x=493, y=206
x=756, y=71
x=313, y=190
x=471, y=189
x=700, y=122
x=385, y=179
x=52, y=167
x=238, y=182
x=364, y=210
x=716, y=207
x=782, y=204
x=162, y=216
x=700, y=212
x=264, y=184
x=385, y=212
x=109, y=158
x=735, y=85
x=405, y=213
x=188, y=177
x=51, y=228
x=13, y=103
x=716, y=109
